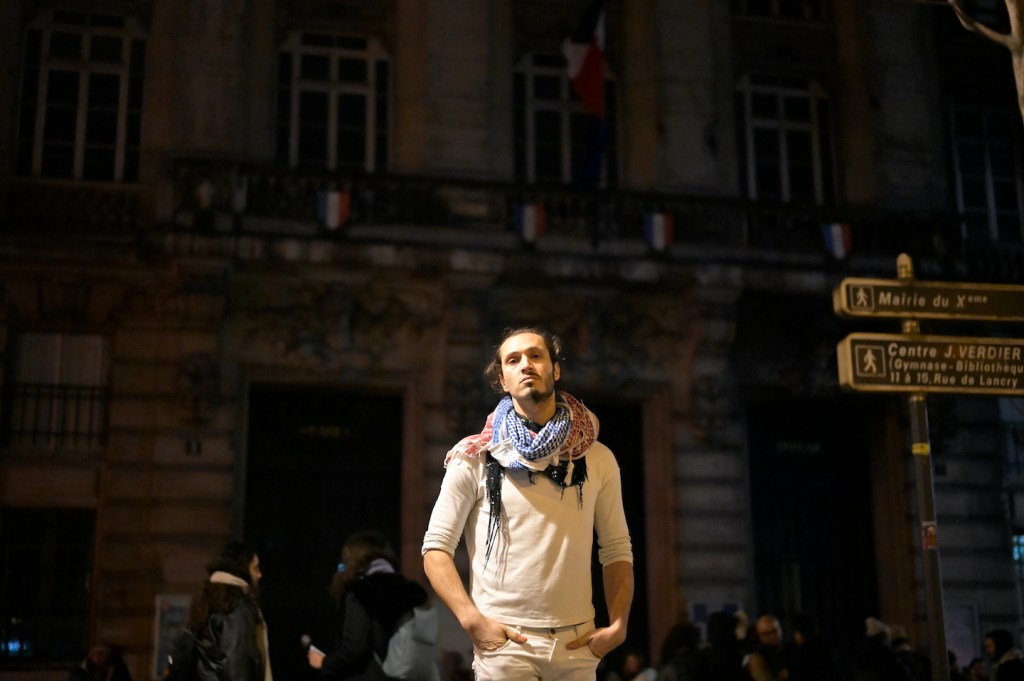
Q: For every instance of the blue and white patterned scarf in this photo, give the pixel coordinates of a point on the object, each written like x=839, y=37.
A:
x=555, y=452
x=516, y=446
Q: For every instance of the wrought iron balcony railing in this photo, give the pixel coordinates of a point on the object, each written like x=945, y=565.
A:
x=70, y=209
x=248, y=198
x=50, y=416
x=214, y=198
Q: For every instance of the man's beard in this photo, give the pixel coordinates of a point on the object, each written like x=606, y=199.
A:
x=538, y=395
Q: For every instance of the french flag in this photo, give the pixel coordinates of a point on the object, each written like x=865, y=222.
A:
x=837, y=239
x=530, y=221
x=659, y=230
x=584, y=50
x=333, y=207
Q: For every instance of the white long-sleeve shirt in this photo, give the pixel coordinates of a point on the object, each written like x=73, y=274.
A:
x=538, y=574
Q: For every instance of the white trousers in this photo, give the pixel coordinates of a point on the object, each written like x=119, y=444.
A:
x=543, y=657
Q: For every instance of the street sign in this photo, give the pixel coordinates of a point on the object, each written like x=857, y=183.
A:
x=910, y=363
x=913, y=299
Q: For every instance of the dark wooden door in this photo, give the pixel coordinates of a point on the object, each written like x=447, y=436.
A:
x=622, y=431
x=321, y=464
x=812, y=514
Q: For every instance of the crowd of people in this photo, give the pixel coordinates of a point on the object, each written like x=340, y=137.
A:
x=370, y=596
x=734, y=650
x=527, y=495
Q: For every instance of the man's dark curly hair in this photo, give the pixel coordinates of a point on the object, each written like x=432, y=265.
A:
x=492, y=372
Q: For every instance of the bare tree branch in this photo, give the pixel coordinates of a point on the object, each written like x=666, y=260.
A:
x=1013, y=41
x=968, y=22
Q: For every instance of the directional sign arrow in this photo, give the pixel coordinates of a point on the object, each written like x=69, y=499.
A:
x=881, y=362
x=928, y=300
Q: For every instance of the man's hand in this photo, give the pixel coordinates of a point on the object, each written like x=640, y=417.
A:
x=488, y=634
x=485, y=633
x=600, y=641
x=316, y=658
x=618, y=594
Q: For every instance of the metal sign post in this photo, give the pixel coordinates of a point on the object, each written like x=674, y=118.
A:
x=921, y=449
x=916, y=364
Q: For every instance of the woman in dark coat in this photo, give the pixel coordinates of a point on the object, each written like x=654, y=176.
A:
x=370, y=597
x=231, y=635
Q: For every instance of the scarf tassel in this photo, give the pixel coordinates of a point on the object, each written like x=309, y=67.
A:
x=495, y=474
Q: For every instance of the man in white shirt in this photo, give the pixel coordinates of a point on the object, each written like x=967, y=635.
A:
x=529, y=492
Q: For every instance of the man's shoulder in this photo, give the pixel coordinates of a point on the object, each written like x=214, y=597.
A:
x=466, y=464
x=600, y=453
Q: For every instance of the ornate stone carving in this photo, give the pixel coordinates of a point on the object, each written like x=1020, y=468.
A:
x=612, y=338
x=333, y=324
x=199, y=388
x=629, y=340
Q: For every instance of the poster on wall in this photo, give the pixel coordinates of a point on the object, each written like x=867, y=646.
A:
x=171, y=618
x=963, y=635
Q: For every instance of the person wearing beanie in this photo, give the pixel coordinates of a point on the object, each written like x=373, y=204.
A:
x=230, y=632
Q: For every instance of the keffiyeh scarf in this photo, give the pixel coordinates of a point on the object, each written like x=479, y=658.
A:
x=556, y=451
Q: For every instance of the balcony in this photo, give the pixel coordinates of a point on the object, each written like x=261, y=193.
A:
x=216, y=207
x=70, y=209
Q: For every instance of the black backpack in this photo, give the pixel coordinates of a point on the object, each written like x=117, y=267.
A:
x=182, y=659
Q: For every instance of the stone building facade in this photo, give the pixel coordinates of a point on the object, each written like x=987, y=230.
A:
x=192, y=352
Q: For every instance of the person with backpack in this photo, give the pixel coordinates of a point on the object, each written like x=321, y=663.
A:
x=226, y=635
x=384, y=619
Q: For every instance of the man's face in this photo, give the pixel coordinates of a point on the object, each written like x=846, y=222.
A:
x=769, y=632
x=254, y=571
x=990, y=648
x=528, y=372
x=99, y=655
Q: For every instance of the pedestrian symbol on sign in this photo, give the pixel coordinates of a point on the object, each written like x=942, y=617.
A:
x=862, y=298
x=870, y=360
